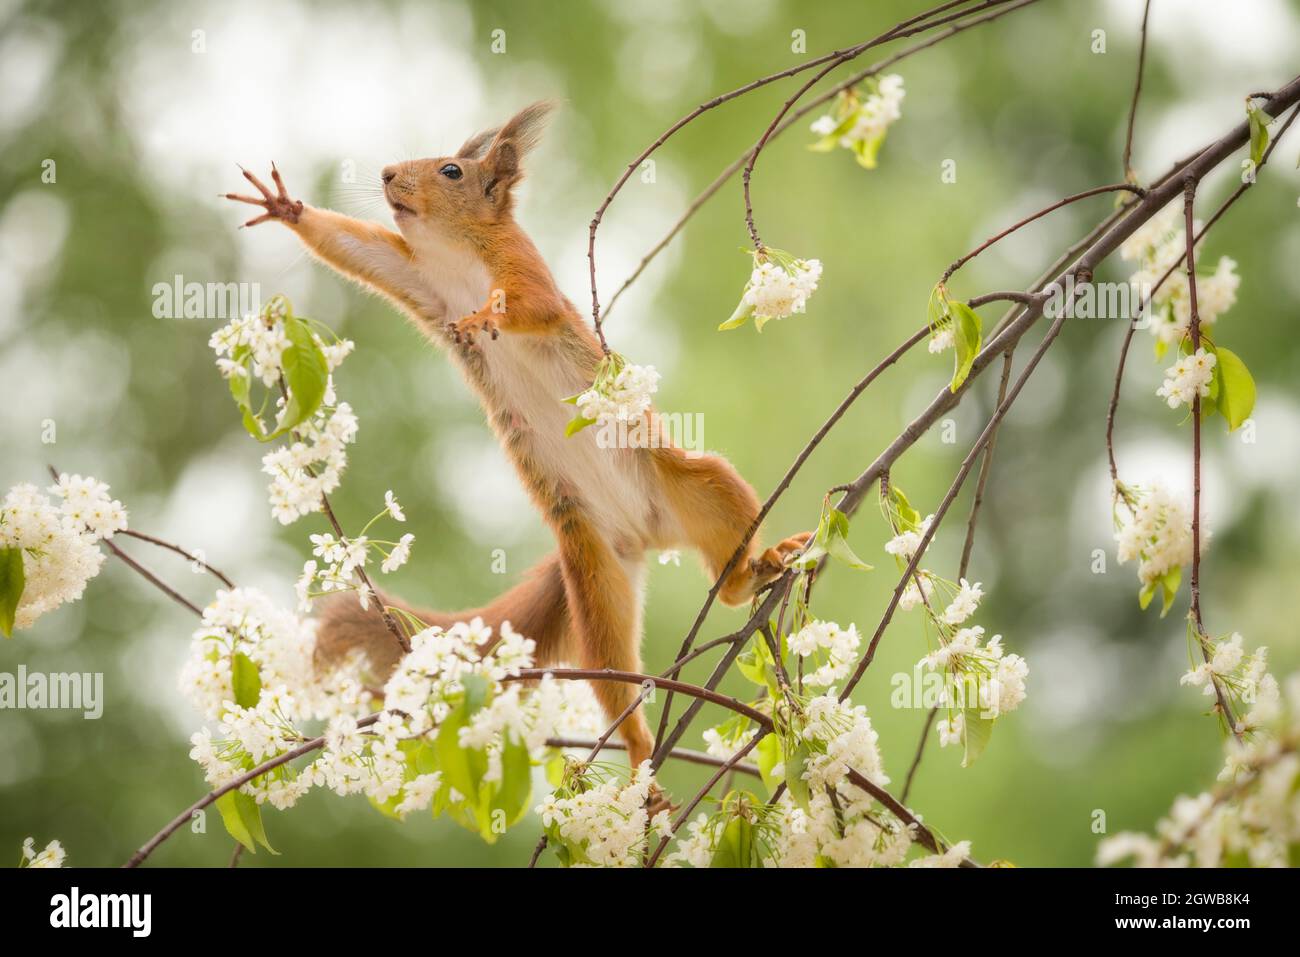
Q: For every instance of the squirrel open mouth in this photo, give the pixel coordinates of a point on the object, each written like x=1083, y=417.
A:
x=398, y=207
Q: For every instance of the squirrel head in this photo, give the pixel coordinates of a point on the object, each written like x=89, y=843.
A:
x=472, y=190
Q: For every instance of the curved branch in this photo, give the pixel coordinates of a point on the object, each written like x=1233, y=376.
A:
x=732, y=168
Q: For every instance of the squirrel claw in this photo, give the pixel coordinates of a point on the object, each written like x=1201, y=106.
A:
x=468, y=328
x=278, y=205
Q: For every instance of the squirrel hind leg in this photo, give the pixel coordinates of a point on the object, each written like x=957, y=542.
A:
x=604, y=598
x=714, y=507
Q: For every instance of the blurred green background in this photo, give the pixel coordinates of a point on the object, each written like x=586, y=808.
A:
x=145, y=129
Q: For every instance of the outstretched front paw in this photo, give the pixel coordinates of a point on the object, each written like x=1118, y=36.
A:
x=466, y=330
x=774, y=560
x=278, y=205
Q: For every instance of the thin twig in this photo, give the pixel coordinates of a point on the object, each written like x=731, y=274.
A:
x=1137, y=93
x=143, y=572
x=776, y=493
x=906, y=28
x=1225, y=707
x=1020, y=224
x=986, y=466
x=920, y=751
x=184, y=817
x=709, y=191
x=1128, y=335
x=179, y=551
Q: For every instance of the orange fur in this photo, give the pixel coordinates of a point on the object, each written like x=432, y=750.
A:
x=472, y=281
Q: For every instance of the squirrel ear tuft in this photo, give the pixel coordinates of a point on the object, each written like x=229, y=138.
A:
x=525, y=127
x=477, y=145
x=519, y=135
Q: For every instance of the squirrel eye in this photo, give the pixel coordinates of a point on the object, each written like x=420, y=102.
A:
x=451, y=171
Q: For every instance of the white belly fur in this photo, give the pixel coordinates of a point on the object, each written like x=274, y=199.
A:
x=527, y=372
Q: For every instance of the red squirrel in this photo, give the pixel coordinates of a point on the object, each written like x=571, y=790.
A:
x=458, y=258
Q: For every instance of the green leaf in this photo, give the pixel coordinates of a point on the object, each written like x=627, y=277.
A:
x=1236, y=399
x=1258, y=121
x=759, y=667
x=795, y=763
x=576, y=425
x=476, y=691
x=736, y=846
x=554, y=768
x=246, y=680
x=909, y=519
x=837, y=541
x=739, y=317
x=452, y=758
x=832, y=139
x=968, y=333
x=936, y=310
x=1169, y=583
x=242, y=816
x=866, y=151
x=11, y=587
x=516, y=785
x=768, y=752
x=831, y=539
x=975, y=734
x=305, y=373
x=1146, y=594
x=240, y=391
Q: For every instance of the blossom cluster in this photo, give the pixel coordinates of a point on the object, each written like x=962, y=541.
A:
x=309, y=466
x=598, y=819
x=859, y=123
x=391, y=756
x=623, y=396
x=779, y=286
x=831, y=822
x=831, y=648
x=244, y=621
x=1188, y=378
x=1157, y=245
x=1224, y=667
x=1251, y=819
x=996, y=678
x=59, y=543
x=981, y=681
x=344, y=557
x=52, y=856
x=1155, y=528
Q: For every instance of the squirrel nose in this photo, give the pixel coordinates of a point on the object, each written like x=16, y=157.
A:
x=388, y=175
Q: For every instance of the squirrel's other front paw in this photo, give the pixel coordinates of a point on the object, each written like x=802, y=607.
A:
x=466, y=330
x=773, y=561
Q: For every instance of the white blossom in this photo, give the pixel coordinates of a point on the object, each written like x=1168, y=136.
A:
x=59, y=543
x=860, y=123
x=1156, y=530
x=1189, y=377
x=623, y=397
x=779, y=287
x=52, y=856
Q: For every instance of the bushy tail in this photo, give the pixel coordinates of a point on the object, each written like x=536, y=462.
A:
x=536, y=608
